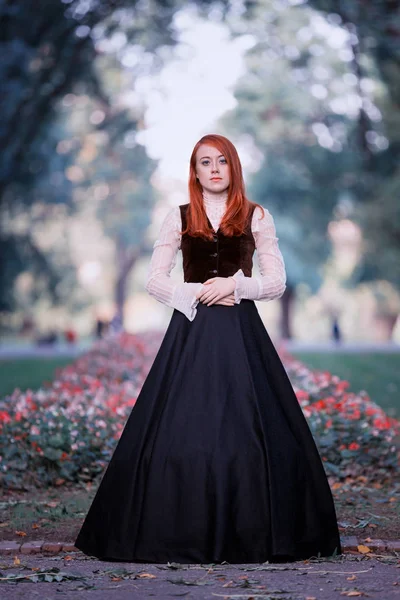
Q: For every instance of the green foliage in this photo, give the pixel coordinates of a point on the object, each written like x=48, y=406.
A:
x=322, y=161
x=49, y=53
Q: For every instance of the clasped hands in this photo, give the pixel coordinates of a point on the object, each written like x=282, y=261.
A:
x=218, y=290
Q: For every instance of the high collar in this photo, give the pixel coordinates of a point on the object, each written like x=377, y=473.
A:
x=215, y=199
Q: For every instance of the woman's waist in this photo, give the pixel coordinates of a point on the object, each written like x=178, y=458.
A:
x=204, y=275
x=242, y=303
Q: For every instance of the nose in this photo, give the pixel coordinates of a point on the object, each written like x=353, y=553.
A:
x=215, y=169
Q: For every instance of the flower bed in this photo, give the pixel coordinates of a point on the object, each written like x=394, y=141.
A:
x=66, y=431
x=354, y=435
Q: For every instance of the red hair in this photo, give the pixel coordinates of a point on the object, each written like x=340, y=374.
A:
x=238, y=206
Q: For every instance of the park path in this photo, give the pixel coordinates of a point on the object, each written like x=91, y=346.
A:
x=330, y=579
x=9, y=351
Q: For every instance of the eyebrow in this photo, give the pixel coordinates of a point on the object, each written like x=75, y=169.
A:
x=210, y=157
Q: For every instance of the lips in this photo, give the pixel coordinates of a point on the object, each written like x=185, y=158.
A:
x=216, y=178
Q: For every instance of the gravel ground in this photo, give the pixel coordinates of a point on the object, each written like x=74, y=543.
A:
x=349, y=575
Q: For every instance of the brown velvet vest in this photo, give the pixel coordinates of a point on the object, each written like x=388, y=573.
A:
x=220, y=257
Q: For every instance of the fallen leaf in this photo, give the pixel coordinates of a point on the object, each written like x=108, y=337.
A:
x=21, y=533
x=351, y=578
x=363, y=549
x=147, y=575
x=35, y=526
x=16, y=560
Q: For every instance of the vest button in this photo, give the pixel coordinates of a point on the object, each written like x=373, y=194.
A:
x=214, y=271
x=214, y=254
x=215, y=238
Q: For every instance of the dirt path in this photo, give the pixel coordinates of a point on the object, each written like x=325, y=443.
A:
x=366, y=511
x=344, y=576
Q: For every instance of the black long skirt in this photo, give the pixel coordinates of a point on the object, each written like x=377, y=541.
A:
x=216, y=461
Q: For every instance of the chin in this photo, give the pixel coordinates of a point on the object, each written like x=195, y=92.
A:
x=218, y=186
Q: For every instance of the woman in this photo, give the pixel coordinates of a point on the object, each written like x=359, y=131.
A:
x=216, y=461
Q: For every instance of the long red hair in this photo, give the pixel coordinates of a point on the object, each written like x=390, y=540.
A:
x=237, y=207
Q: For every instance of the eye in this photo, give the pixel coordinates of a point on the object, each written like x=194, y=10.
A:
x=205, y=162
x=223, y=161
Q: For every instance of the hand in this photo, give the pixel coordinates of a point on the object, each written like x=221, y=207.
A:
x=227, y=301
x=216, y=289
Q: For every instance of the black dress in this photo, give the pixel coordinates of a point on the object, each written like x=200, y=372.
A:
x=216, y=461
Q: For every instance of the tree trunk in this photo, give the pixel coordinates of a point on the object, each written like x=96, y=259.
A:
x=126, y=259
x=286, y=304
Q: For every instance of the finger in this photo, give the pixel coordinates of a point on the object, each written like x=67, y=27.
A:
x=216, y=297
x=208, y=293
x=212, y=297
x=220, y=295
x=209, y=281
x=206, y=296
x=230, y=298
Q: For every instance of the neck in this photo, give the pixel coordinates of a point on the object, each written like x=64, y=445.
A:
x=215, y=197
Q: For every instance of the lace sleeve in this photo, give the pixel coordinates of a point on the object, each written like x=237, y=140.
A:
x=272, y=280
x=159, y=284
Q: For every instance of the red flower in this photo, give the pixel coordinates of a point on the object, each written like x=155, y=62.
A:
x=4, y=416
x=354, y=446
x=383, y=423
x=342, y=385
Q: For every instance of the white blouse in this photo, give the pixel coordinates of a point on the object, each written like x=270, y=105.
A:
x=181, y=295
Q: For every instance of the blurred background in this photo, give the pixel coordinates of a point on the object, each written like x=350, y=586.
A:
x=101, y=105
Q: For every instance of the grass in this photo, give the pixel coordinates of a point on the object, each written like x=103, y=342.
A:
x=56, y=514
x=28, y=373
x=376, y=373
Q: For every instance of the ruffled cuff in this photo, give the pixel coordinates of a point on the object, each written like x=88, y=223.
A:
x=247, y=288
x=238, y=291
x=184, y=298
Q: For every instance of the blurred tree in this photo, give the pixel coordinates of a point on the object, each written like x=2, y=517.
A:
x=299, y=104
x=50, y=49
x=305, y=148
x=374, y=29
x=125, y=170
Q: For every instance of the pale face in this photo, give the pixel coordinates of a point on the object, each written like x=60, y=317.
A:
x=212, y=169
